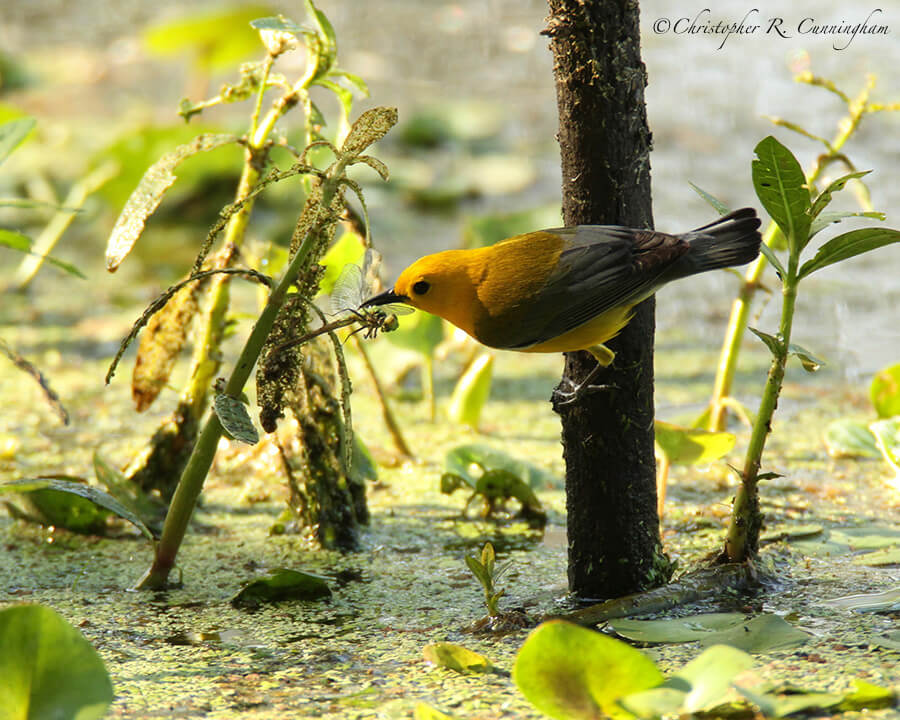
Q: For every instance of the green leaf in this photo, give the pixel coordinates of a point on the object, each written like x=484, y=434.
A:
x=472, y=391
x=426, y=712
x=773, y=259
x=327, y=39
x=809, y=361
x=421, y=332
x=12, y=133
x=281, y=584
x=717, y=204
x=158, y=178
x=353, y=79
x=462, y=459
x=691, y=446
x=485, y=230
x=710, y=676
x=848, y=245
x=488, y=558
x=847, y=438
x=866, y=696
x=572, y=673
x=763, y=633
x=824, y=197
x=218, y=39
x=278, y=23
x=793, y=700
x=781, y=187
x=884, y=391
x=829, y=218
x=48, y=668
x=887, y=436
x=775, y=344
x=82, y=490
x=451, y=482
x=480, y=572
x=15, y=240
x=456, y=657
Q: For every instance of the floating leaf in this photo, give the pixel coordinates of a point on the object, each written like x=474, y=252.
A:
x=48, y=668
x=461, y=459
x=692, y=446
x=472, y=391
x=848, y=245
x=882, y=602
x=12, y=133
x=866, y=696
x=82, y=490
x=571, y=673
x=370, y=127
x=824, y=197
x=879, y=558
x=885, y=391
x=763, y=633
x=847, y=438
x=235, y=419
x=456, y=657
x=149, y=193
x=282, y=584
x=774, y=704
x=781, y=187
x=426, y=712
x=717, y=204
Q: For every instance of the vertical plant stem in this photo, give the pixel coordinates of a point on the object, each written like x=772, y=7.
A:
x=191, y=482
x=428, y=386
x=742, y=540
x=740, y=309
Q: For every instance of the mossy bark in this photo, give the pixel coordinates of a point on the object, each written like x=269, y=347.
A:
x=613, y=526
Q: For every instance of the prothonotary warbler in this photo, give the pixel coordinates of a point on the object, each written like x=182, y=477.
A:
x=566, y=289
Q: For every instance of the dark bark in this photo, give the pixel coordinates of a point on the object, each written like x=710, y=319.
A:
x=613, y=527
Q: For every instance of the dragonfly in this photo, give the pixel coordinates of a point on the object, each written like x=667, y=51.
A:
x=356, y=284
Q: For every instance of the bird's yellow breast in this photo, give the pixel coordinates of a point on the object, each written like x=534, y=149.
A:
x=594, y=332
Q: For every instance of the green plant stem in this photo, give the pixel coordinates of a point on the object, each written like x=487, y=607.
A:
x=742, y=539
x=740, y=309
x=191, y=482
x=428, y=386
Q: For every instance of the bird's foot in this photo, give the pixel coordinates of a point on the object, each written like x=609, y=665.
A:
x=563, y=398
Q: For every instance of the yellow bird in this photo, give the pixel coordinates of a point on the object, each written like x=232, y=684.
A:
x=566, y=289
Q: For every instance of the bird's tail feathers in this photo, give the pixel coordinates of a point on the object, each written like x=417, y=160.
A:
x=733, y=239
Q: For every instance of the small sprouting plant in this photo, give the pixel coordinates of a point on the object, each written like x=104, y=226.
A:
x=485, y=570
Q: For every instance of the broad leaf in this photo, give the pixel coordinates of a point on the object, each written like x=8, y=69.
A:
x=48, y=668
x=710, y=675
x=885, y=391
x=370, y=127
x=472, y=391
x=149, y=193
x=847, y=438
x=571, y=673
x=235, y=419
x=782, y=189
x=282, y=584
x=12, y=133
x=456, y=657
x=691, y=446
x=848, y=245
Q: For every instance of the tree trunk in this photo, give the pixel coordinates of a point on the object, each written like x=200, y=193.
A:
x=613, y=525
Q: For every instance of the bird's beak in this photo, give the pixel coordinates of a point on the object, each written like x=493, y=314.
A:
x=385, y=298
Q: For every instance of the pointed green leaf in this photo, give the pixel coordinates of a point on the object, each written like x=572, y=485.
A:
x=88, y=492
x=48, y=668
x=235, y=419
x=773, y=259
x=885, y=391
x=488, y=557
x=15, y=240
x=12, y=133
x=571, y=673
x=847, y=438
x=781, y=187
x=472, y=391
x=717, y=204
x=848, y=245
x=824, y=197
x=479, y=571
x=828, y=218
x=775, y=345
x=149, y=194
x=809, y=361
x=691, y=446
x=327, y=38
x=456, y=657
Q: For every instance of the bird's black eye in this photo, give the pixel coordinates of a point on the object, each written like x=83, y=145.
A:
x=421, y=287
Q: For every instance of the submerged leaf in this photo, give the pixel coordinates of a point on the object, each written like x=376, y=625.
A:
x=282, y=584
x=149, y=193
x=48, y=668
x=456, y=657
x=571, y=673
